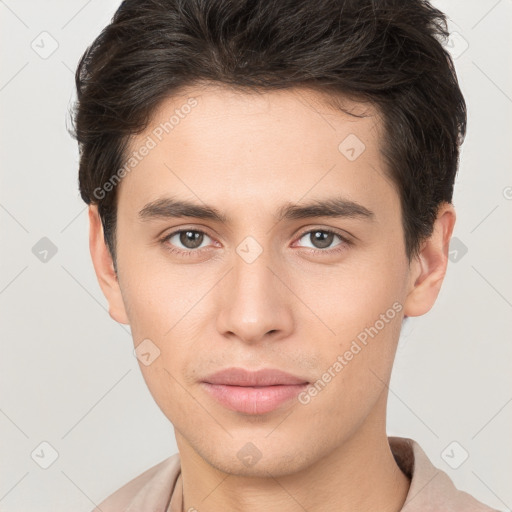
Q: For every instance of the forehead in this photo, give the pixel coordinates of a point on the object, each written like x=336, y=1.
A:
x=257, y=145
x=212, y=105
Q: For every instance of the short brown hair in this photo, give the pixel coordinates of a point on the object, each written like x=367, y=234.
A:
x=386, y=52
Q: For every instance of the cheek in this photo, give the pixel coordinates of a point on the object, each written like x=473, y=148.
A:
x=166, y=315
x=363, y=309
x=156, y=296
x=352, y=297
x=353, y=371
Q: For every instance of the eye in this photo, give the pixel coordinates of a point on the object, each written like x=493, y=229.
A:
x=322, y=240
x=190, y=240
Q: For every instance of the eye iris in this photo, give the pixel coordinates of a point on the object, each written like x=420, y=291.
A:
x=323, y=238
x=191, y=237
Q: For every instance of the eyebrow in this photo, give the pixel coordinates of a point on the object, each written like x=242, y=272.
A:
x=337, y=207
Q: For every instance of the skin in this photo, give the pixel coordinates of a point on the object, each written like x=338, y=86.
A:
x=247, y=154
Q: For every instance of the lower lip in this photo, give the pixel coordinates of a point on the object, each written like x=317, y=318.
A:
x=253, y=400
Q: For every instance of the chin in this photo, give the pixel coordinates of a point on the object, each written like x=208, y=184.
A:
x=250, y=461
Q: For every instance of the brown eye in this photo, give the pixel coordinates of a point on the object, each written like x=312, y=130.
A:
x=322, y=238
x=188, y=239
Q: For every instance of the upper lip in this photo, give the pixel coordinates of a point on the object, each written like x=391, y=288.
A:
x=263, y=377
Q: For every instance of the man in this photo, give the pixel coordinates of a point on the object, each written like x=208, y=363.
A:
x=270, y=191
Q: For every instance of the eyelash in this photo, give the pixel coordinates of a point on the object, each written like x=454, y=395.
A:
x=338, y=248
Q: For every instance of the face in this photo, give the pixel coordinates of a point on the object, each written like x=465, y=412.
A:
x=319, y=293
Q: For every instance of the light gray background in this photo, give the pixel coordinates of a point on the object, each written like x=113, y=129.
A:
x=68, y=373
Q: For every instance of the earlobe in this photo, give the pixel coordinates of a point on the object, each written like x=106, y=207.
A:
x=429, y=268
x=104, y=267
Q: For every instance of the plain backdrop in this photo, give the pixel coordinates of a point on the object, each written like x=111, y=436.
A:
x=68, y=375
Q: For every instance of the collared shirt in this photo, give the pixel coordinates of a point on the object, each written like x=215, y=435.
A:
x=159, y=489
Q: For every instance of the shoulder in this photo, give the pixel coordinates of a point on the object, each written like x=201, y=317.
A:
x=152, y=488
x=431, y=488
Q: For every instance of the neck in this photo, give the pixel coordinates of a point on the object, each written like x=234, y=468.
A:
x=361, y=474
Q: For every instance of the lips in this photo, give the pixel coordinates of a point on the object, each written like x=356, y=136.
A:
x=264, y=377
x=256, y=392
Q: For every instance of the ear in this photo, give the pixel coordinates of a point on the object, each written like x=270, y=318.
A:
x=428, y=269
x=104, y=267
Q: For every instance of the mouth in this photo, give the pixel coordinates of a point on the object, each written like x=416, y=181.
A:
x=253, y=393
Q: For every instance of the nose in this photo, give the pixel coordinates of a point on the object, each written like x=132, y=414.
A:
x=254, y=300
